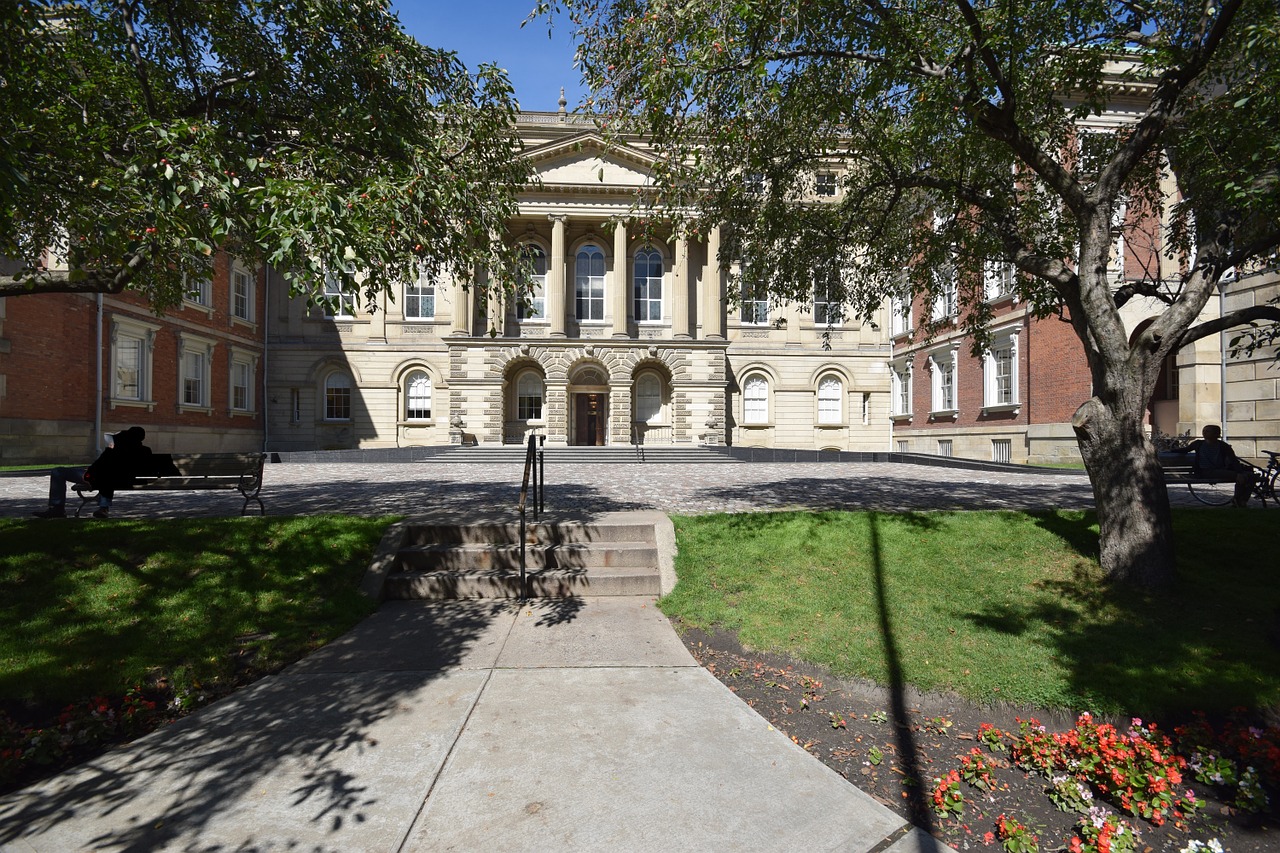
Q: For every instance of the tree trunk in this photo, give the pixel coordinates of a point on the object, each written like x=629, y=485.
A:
x=1134, y=521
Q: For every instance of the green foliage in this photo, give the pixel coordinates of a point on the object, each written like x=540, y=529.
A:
x=954, y=131
x=182, y=603
x=998, y=607
x=315, y=135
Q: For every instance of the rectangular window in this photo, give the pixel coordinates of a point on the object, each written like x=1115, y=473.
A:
x=904, y=447
x=241, y=385
x=241, y=294
x=998, y=279
x=533, y=280
x=1001, y=450
x=338, y=304
x=193, y=384
x=944, y=382
x=1003, y=359
x=825, y=184
x=1000, y=372
x=755, y=305
x=128, y=379
x=529, y=407
x=647, y=283
x=295, y=405
x=945, y=304
x=900, y=388
x=826, y=302
x=197, y=290
x=944, y=447
x=420, y=298
x=899, y=315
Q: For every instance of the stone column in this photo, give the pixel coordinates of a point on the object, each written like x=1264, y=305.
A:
x=557, y=286
x=680, y=290
x=713, y=289
x=462, y=309
x=621, y=294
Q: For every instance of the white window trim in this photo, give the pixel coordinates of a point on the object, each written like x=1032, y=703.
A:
x=899, y=315
x=251, y=294
x=842, y=405
x=239, y=355
x=767, y=421
x=145, y=333
x=900, y=379
x=404, y=389
x=345, y=307
x=188, y=342
x=1000, y=339
x=636, y=300
x=943, y=360
x=946, y=301
x=205, y=302
x=536, y=283
x=422, y=283
x=603, y=299
x=542, y=382
x=994, y=276
x=832, y=182
x=662, y=416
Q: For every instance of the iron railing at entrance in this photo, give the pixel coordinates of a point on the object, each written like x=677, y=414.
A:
x=535, y=471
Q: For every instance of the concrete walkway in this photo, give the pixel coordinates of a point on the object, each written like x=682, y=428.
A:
x=573, y=725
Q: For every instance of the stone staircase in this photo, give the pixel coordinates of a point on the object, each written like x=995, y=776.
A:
x=448, y=560
x=624, y=455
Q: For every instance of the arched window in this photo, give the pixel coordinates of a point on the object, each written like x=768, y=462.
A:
x=649, y=399
x=533, y=282
x=830, y=400
x=337, y=397
x=529, y=397
x=589, y=283
x=417, y=396
x=648, y=285
x=755, y=400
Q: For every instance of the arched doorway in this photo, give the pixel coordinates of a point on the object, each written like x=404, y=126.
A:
x=588, y=407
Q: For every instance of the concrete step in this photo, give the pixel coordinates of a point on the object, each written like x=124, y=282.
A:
x=437, y=560
x=544, y=583
x=470, y=556
x=558, y=456
x=536, y=533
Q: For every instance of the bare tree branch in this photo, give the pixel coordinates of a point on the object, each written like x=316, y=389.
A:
x=1229, y=321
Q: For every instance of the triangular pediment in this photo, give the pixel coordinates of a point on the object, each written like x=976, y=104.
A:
x=586, y=160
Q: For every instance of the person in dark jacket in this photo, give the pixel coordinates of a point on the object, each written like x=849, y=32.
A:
x=118, y=467
x=1215, y=458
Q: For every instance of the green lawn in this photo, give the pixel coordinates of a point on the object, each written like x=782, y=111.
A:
x=999, y=607
x=88, y=608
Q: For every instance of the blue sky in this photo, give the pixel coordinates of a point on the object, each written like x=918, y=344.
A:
x=489, y=31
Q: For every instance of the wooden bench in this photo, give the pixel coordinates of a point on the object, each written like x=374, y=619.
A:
x=196, y=472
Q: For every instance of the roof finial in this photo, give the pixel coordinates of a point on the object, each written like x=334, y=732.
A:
x=563, y=103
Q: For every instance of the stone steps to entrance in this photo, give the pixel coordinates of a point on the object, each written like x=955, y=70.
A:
x=660, y=455
x=435, y=560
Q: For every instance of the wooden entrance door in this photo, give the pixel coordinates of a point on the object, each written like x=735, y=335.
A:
x=589, y=416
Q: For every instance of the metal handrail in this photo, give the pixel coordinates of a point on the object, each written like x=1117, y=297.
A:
x=534, y=468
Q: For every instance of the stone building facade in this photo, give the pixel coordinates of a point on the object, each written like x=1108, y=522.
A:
x=629, y=338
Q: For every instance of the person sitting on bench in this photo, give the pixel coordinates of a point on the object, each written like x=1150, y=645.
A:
x=118, y=467
x=1215, y=458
